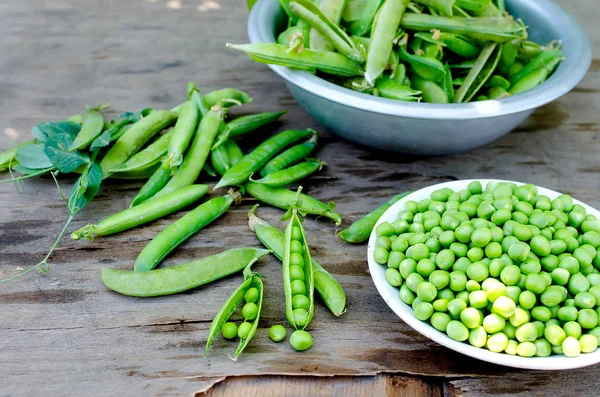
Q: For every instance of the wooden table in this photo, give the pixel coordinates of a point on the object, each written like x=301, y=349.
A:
x=64, y=333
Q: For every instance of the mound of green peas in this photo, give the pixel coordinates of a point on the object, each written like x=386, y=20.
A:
x=500, y=268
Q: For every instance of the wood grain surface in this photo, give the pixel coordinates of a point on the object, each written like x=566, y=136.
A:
x=64, y=333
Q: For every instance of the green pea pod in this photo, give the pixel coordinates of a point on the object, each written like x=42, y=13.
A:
x=443, y=6
x=360, y=231
x=428, y=68
x=92, y=125
x=147, y=157
x=362, y=26
x=491, y=11
x=529, y=49
x=285, y=5
x=497, y=29
x=330, y=291
x=145, y=173
x=175, y=279
x=276, y=54
x=143, y=213
x=365, y=41
x=430, y=91
x=298, y=317
x=484, y=68
x=387, y=88
x=245, y=124
x=252, y=280
x=234, y=152
x=497, y=93
x=157, y=181
x=531, y=80
x=456, y=43
x=290, y=156
x=76, y=118
x=288, y=35
x=180, y=231
x=543, y=59
x=508, y=56
x=501, y=6
x=135, y=137
x=399, y=75
x=477, y=6
x=354, y=10
x=333, y=11
x=447, y=83
x=219, y=159
x=327, y=29
x=292, y=174
x=283, y=198
x=182, y=134
x=252, y=162
x=199, y=150
x=383, y=33
x=499, y=81
x=226, y=97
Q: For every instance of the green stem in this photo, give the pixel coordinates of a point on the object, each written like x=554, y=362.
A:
x=20, y=178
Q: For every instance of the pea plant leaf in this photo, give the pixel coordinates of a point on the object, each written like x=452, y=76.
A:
x=33, y=156
x=102, y=141
x=48, y=129
x=30, y=171
x=57, y=150
x=85, y=188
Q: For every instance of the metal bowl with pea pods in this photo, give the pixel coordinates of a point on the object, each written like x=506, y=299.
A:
x=405, y=312
x=425, y=128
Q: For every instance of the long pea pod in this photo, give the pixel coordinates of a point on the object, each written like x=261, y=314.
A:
x=388, y=88
x=482, y=71
x=277, y=54
x=157, y=181
x=328, y=29
x=182, y=134
x=148, y=156
x=443, y=6
x=290, y=157
x=532, y=80
x=448, y=84
x=245, y=124
x=529, y=49
x=431, y=92
x=361, y=26
x=491, y=10
x=226, y=97
x=252, y=162
x=92, y=125
x=145, y=173
x=180, y=231
x=292, y=174
x=225, y=156
x=478, y=6
x=543, y=59
x=284, y=199
x=383, y=32
x=333, y=11
x=179, y=278
x=143, y=213
x=135, y=137
x=251, y=280
x=456, y=43
x=426, y=67
x=330, y=291
x=509, y=54
x=360, y=231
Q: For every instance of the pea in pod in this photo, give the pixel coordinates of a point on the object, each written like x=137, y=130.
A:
x=388, y=88
x=330, y=291
x=180, y=231
x=292, y=174
x=147, y=157
x=543, y=59
x=92, y=125
x=251, y=280
x=360, y=231
x=182, y=134
x=179, y=278
x=245, y=124
x=284, y=199
x=290, y=157
x=428, y=68
x=143, y=213
x=484, y=68
x=252, y=162
x=456, y=43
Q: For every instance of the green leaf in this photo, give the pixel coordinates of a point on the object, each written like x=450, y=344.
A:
x=85, y=188
x=102, y=141
x=33, y=156
x=30, y=171
x=57, y=150
x=48, y=129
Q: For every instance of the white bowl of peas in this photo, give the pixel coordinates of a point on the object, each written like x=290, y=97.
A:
x=500, y=271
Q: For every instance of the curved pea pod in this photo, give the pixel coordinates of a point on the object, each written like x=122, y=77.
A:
x=292, y=174
x=332, y=10
x=290, y=157
x=143, y=213
x=251, y=281
x=426, y=67
x=157, y=181
x=361, y=26
x=360, y=231
x=498, y=29
x=530, y=81
x=546, y=58
x=387, y=88
x=147, y=157
x=431, y=92
x=179, y=278
x=284, y=199
x=245, y=124
x=330, y=291
x=383, y=33
x=182, y=134
x=226, y=97
x=92, y=125
x=297, y=320
x=443, y=6
x=252, y=162
x=276, y=54
x=327, y=29
x=134, y=138
x=508, y=56
x=483, y=69
x=477, y=6
x=180, y=231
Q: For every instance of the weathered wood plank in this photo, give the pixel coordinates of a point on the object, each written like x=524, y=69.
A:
x=64, y=333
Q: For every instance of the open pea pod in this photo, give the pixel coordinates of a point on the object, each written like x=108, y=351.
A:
x=333, y=10
x=388, y=88
x=426, y=67
x=482, y=71
x=251, y=280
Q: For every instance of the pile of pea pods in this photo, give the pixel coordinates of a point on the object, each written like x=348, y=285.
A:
x=437, y=51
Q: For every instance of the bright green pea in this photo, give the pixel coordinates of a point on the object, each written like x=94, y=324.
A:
x=244, y=330
x=447, y=238
x=549, y=263
x=437, y=206
x=406, y=295
x=433, y=245
x=298, y=287
x=459, y=249
x=385, y=229
x=493, y=250
x=440, y=321
x=301, y=302
x=522, y=232
x=530, y=266
x=420, y=251
x=423, y=205
x=458, y=281
x=381, y=257
x=413, y=280
x=417, y=227
x=518, y=251
x=526, y=349
x=393, y=277
x=449, y=222
x=478, y=299
x=535, y=283
x=573, y=329
x=510, y=275
x=250, y=311
x=543, y=348
x=229, y=330
x=405, y=215
x=301, y=340
x=461, y=265
x=496, y=267
x=578, y=283
x=526, y=333
x=446, y=293
x=407, y=266
x=583, y=256
x=504, y=307
x=463, y=233
x=440, y=305
x=520, y=217
x=513, y=292
x=277, y=333
x=425, y=267
x=251, y=295
x=296, y=246
x=520, y=317
x=437, y=231
x=576, y=218
x=587, y=318
x=477, y=271
x=541, y=313
x=400, y=245
x=485, y=210
x=475, y=187
x=394, y=259
x=457, y=331
x=456, y=306
x=588, y=343
x=501, y=216
x=426, y=291
x=497, y=234
x=567, y=313
x=297, y=233
x=585, y=300
x=468, y=208
x=475, y=254
x=473, y=285
x=493, y=323
x=555, y=334
x=471, y=317
x=479, y=223
x=423, y=311
x=463, y=295
x=440, y=279
x=540, y=246
x=507, y=242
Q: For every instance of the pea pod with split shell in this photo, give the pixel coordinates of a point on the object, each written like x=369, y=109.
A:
x=143, y=213
x=482, y=71
x=179, y=278
x=426, y=67
x=225, y=156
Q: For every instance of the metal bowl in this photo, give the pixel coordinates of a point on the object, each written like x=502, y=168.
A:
x=432, y=129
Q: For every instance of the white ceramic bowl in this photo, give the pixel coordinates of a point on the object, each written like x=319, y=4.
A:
x=392, y=298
